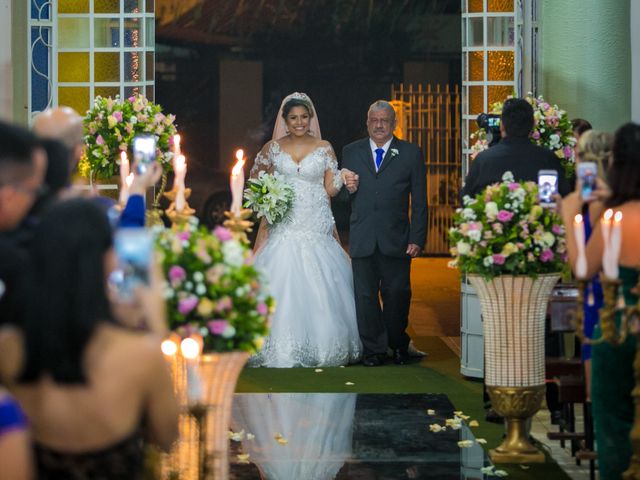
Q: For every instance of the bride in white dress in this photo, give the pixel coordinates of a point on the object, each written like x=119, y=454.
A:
x=308, y=272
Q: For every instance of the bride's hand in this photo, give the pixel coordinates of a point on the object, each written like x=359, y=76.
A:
x=350, y=179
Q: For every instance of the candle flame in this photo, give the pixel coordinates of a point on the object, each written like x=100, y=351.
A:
x=129, y=179
x=608, y=214
x=169, y=347
x=578, y=218
x=123, y=158
x=618, y=217
x=190, y=348
x=239, y=154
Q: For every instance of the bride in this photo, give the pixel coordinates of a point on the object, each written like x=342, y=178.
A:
x=308, y=272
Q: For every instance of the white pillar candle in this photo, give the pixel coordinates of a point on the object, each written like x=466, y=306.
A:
x=124, y=173
x=180, y=171
x=176, y=145
x=616, y=242
x=237, y=183
x=605, y=225
x=190, y=349
x=581, y=261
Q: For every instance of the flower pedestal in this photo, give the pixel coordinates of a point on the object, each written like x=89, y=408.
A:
x=513, y=311
x=204, y=439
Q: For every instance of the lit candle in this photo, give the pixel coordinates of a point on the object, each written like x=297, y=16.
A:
x=190, y=349
x=616, y=242
x=237, y=183
x=605, y=224
x=180, y=171
x=124, y=173
x=581, y=261
x=176, y=145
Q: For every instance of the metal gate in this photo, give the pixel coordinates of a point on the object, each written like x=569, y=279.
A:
x=430, y=118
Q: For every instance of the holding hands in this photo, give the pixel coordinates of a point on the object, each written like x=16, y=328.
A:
x=350, y=180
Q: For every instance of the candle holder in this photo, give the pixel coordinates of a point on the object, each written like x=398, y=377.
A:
x=614, y=304
x=154, y=214
x=200, y=413
x=178, y=218
x=239, y=225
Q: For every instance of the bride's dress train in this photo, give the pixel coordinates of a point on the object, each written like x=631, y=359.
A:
x=308, y=272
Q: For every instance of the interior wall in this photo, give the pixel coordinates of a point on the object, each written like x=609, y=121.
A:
x=635, y=61
x=6, y=69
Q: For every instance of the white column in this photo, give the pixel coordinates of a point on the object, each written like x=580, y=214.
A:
x=6, y=67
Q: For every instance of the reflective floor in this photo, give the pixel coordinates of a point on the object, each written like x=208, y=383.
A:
x=349, y=436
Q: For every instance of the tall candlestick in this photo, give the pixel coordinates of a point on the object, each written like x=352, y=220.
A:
x=616, y=242
x=180, y=171
x=190, y=349
x=605, y=224
x=581, y=261
x=237, y=183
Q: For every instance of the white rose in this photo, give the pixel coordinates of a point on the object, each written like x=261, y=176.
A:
x=233, y=253
x=475, y=235
x=201, y=289
x=548, y=239
x=488, y=261
x=468, y=214
x=463, y=248
x=228, y=332
x=198, y=277
x=554, y=139
x=491, y=210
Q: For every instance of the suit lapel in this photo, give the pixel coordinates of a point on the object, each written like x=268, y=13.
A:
x=388, y=157
x=365, y=155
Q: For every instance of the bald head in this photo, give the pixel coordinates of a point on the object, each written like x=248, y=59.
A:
x=62, y=124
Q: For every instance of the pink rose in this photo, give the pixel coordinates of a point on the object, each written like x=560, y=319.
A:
x=183, y=236
x=568, y=151
x=498, y=259
x=557, y=229
x=504, y=216
x=217, y=326
x=177, y=274
x=514, y=186
x=187, y=304
x=535, y=135
x=100, y=140
x=222, y=233
x=546, y=256
x=262, y=309
x=118, y=116
x=224, y=304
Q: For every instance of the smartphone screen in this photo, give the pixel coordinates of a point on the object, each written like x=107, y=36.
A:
x=134, y=251
x=144, y=152
x=547, y=186
x=587, y=173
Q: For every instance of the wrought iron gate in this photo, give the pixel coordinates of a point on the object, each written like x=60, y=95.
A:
x=430, y=118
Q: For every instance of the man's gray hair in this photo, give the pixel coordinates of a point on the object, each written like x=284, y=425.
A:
x=382, y=105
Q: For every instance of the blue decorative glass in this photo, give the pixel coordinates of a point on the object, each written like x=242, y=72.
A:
x=40, y=68
x=40, y=9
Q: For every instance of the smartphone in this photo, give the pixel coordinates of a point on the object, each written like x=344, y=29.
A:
x=587, y=174
x=547, y=186
x=134, y=252
x=144, y=152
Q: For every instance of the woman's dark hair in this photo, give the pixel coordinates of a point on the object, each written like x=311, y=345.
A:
x=296, y=102
x=517, y=117
x=57, y=175
x=69, y=297
x=580, y=125
x=624, y=173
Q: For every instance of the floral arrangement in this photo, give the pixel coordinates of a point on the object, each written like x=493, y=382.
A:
x=552, y=129
x=504, y=230
x=111, y=125
x=270, y=197
x=212, y=288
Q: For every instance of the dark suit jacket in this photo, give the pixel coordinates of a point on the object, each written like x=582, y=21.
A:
x=380, y=206
x=517, y=155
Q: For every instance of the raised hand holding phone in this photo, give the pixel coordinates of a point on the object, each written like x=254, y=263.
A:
x=547, y=187
x=587, y=179
x=144, y=152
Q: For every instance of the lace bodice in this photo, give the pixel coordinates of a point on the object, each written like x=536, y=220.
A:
x=311, y=212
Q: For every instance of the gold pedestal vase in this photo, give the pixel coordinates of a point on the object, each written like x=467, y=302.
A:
x=513, y=314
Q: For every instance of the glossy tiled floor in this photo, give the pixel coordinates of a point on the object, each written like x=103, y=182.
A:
x=350, y=436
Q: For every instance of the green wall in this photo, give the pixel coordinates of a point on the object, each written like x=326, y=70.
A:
x=585, y=59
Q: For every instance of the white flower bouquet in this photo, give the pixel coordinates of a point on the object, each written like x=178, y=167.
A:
x=270, y=197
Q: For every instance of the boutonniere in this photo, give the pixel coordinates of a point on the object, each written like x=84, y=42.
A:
x=394, y=152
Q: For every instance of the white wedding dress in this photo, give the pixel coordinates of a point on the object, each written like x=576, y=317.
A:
x=308, y=272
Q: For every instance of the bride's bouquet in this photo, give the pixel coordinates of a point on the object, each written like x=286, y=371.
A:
x=270, y=197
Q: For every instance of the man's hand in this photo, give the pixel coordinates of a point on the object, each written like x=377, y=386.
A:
x=413, y=250
x=351, y=180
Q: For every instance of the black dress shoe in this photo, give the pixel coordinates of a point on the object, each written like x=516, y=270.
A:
x=372, y=361
x=400, y=357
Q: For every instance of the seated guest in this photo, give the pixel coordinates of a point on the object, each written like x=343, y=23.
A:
x=15, y=444
x=612, y=366
x=93, y=390
x=515, y=153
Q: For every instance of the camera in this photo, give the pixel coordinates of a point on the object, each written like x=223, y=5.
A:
x=490, y=123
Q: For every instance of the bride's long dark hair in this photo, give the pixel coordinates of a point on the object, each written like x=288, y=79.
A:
x=69, y=292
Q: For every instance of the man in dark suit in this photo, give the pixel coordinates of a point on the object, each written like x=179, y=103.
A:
x=389, y=179
x=515, y=153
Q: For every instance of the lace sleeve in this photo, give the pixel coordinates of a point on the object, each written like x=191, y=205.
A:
x=262, y=162
x=332, y=179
